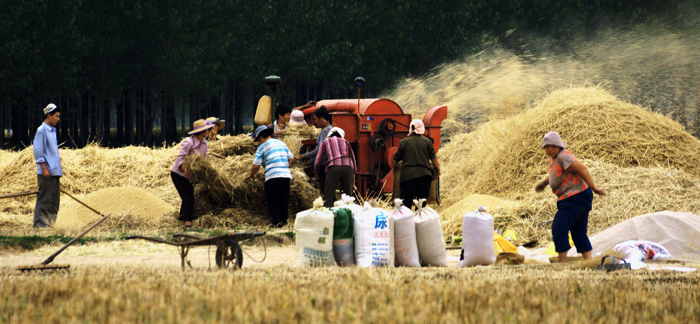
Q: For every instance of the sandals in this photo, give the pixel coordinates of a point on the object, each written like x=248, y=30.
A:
x=187, y=224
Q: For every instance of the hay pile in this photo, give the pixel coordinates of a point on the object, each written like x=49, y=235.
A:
x=93, y=168
x=646, y=162
x=227, y=145
x=90, y=169
x=129, y=208
x=295, y=134
x=224, y=198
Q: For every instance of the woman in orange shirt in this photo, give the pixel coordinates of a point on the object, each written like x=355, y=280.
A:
x=572, y=184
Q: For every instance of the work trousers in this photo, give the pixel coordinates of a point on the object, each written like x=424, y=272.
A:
x=416, y=188
x=186, y=191
x=338, y=174
x=572, y=215
x=277, y=194
x=47, y=201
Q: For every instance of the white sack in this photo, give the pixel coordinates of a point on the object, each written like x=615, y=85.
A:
x=373, y=238
x=477, y=239
x=314, y=236
x=431, y=243
x=405, y=246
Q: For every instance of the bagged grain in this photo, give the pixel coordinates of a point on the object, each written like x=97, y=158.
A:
x=405, y=246
x=477, y=239
x=349, y=203
x=431, y=244
x=373, y=238
x=343, y=237
x=314, y=236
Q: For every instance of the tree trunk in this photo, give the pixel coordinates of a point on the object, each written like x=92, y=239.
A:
x=170, y=130
x=93, y=119
x=130, y=104
x=19, y=118
x=183, y=122
x=109, y=106
x=84, y=119
x=120, y=122
x=66, y=116
x=3, y=101
x=150, y=114
x=74, y=122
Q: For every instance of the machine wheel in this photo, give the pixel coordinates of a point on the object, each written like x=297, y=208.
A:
x=387, y=126
x=229, y=254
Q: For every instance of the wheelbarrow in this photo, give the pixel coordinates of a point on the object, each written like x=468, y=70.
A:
x=228, y=251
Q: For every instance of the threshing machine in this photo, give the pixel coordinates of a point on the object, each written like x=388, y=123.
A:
x=374, y=128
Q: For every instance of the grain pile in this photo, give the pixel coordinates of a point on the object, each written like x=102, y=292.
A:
x=88, y=170
x=646, y=162
x=129, y=208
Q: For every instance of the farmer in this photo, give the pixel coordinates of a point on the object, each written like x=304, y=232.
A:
x=275, y=157
x=282, y=114
x=337, y=161
x=572, y=183
x=417, y=157
x=48, y=168
x=322, y=120
x=182, y=178
x=218, y=125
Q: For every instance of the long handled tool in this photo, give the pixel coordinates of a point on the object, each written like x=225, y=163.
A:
x=45, y=265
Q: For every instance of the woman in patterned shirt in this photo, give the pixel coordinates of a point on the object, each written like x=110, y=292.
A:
x=572, y=184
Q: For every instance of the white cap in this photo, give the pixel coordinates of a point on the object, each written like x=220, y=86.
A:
x=51, y=107
x=334, y=130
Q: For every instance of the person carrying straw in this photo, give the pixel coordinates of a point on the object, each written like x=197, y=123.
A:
x=183, y=180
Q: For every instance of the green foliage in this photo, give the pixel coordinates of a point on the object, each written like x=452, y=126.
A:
x=167, y=51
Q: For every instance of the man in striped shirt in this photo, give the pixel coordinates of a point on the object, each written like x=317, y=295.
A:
x=275, y=157
x=336, y=159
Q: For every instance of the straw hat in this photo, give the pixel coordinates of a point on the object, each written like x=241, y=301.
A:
x=199, y=126
x=553, y=138
x=416, y=126
x=338, y=130
x=218, y=122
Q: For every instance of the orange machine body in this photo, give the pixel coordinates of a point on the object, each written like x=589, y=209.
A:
x=374, y=128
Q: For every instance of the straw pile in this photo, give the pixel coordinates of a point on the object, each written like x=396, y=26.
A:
x=129, y=208
x=224, y=198
x=227, y=145
x=222, y=189
x=295, y=134
x=645, y=161
x=90, y=169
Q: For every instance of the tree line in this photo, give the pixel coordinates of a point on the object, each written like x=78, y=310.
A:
x=152, y=67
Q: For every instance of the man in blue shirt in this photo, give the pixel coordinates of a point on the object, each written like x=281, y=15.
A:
x=49, y=171
x=274, y=156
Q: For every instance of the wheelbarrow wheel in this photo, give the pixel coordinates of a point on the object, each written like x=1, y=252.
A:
x=230, y=254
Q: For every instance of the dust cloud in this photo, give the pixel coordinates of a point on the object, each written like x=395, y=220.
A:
x=650, y=67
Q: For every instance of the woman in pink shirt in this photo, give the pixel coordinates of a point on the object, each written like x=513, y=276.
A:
x=183, y=180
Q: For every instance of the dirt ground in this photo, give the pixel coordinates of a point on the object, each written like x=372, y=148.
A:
x=146, y=254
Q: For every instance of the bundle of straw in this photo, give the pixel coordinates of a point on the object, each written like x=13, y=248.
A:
x=232, y=145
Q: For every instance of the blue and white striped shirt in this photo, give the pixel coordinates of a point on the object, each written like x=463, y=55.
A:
x=274, y=155
x=46, y=150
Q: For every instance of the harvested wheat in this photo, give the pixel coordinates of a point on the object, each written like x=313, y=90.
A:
x=645, y=161
x=130, y=208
